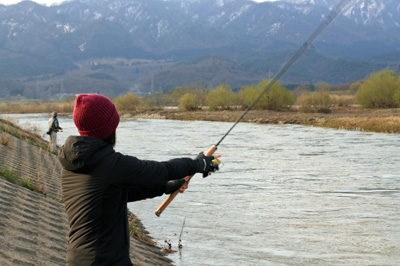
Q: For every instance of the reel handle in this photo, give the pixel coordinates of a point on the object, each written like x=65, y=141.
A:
x=171, y=197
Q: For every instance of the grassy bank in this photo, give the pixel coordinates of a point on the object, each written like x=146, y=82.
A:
x=369, y=120
x=36, y=107
x=14, y=130
x=367, y=124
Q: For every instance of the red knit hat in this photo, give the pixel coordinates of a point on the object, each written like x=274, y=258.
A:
x=95, y=116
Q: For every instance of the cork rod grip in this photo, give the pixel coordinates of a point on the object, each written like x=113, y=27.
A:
x=168, y=200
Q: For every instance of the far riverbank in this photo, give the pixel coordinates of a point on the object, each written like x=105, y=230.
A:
x=370, y=120
x=350, y=118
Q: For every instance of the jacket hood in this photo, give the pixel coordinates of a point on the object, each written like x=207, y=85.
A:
x=81, y=153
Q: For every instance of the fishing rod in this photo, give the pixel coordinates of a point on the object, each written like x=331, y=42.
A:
x=326, y=21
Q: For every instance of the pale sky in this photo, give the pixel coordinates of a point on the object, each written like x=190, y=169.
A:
x=51, y=2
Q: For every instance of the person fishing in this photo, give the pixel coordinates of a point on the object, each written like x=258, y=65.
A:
x=98, y=182
x=54, y=127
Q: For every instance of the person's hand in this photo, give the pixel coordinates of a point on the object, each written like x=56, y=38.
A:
x=185, y=186
x=174, y=185
x=206, y=164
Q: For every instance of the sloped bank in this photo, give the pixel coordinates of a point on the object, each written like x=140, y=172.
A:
x=33, y=223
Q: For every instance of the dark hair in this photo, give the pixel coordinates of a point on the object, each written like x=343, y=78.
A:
x=111, y=139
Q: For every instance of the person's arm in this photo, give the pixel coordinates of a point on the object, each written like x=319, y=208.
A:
x=132, y=171
x=136, y=193
x=57, y=125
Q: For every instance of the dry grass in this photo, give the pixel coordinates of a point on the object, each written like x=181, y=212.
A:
x=34, y=180
x=351, y=118
x=36, y=107
x=343, y=100
x=32, y=128
x=342, y=97
x=5, y=139
x=16, y=131
x=367, y=124
x=137, y=230
x=40, y=183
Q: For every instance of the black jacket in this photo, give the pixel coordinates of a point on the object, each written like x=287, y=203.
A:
x=54, y=125
x=97, y=183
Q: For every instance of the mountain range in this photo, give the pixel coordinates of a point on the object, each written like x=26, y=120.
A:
x=115, y=46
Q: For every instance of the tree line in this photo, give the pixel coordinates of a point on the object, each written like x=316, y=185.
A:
x=380, y=90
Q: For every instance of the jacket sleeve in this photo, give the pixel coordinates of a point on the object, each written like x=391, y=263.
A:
x=136, y=193
x=132, y=171
x=56, y=124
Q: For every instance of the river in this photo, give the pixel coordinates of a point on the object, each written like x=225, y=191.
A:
x=285, y=194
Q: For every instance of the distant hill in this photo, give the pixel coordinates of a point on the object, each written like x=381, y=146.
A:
x=215, y=70
x=211, y=70
x=156, y=45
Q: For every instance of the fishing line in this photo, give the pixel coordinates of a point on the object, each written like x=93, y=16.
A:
x=327, y=20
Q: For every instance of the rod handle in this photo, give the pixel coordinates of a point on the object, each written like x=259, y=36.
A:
x=169, y=199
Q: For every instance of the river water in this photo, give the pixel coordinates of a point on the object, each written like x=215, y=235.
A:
x=285, y=194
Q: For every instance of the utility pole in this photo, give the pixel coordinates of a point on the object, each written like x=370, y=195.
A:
x=37, y=88
x=61, y=89
x=152, y=83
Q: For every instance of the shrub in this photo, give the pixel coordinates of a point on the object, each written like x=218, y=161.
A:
x=322, y=86
x=201, y=97
x=128, y=102
x=380, y=90
x=276, y=97
x=354, y=87
x=396, y=97
x=342, y=100
x=188, y=102
x=222, y=98
x=322, y=100
x=279, y=98
x=155, y=101
x=317, y=102
x=174, y=95
x=301, y=90
x=198, y=89
x=246, y=96
x=305, y=103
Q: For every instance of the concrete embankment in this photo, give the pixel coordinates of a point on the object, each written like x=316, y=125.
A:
x=33, y=224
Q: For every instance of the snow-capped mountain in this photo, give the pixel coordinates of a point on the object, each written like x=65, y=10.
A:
x=59, y=36
x=161, y=26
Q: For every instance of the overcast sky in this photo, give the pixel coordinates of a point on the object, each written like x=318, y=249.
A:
x=50, y=2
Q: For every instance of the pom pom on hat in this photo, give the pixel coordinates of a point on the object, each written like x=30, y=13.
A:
x=95, y=116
